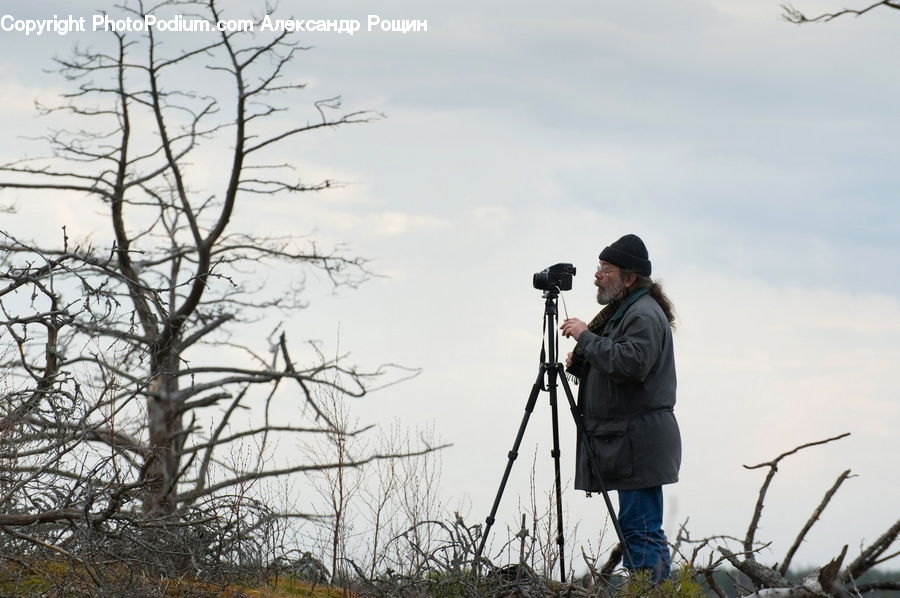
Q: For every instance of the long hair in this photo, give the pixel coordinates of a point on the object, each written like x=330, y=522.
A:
x=656, y=291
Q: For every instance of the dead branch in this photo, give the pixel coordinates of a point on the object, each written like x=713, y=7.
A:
x=773, y=469
x=793, y=15
x=258, y=475
x=828, y=575
x=615, y=557
x=762, y=576
x=813, y=518
x=869, y=557
x=37, y=541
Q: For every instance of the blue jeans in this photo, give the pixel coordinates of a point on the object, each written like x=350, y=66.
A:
x=640, y=516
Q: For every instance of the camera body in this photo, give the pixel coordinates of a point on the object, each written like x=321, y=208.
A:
x=556, y=277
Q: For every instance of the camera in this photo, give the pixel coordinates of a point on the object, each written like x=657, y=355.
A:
x=555, y=277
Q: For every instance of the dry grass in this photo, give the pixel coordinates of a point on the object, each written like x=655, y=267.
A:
x=61, y=579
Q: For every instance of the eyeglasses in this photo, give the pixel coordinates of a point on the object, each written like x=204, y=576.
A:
x=606, y=269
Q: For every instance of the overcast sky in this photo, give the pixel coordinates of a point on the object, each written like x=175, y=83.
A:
x=756, y=159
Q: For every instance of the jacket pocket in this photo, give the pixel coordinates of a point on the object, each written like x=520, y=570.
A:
x=611, y=448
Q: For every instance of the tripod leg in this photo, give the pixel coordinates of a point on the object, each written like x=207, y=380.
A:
x=560, y=542
x=529, y=407
x=585, y=441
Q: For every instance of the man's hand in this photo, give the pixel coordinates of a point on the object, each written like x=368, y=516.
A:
x=573, y=327
x=569, y=360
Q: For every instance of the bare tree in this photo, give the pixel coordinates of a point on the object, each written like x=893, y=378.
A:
x=378, y=496
x=117, y=349
x=337, y=486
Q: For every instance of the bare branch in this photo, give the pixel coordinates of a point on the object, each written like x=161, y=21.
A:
x=258, y=475
x=793, y=15
x=773, y=469
x=761, y=575
x=870, y=555
x=812, y=520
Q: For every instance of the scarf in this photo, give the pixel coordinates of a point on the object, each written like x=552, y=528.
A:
x=608, y=315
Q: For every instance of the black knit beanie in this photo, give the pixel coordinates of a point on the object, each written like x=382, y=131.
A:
x=628, y=253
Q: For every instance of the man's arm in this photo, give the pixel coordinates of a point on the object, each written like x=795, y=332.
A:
x=630, y=355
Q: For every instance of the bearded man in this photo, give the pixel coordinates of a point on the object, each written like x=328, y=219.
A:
x=625, y=363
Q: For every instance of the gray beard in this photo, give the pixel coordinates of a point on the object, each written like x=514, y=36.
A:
x=608, y=295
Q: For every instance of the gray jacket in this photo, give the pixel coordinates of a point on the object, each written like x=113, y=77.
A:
x=626, y=398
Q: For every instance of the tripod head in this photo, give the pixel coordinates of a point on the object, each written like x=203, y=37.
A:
x=550, y=294
x=551, y=314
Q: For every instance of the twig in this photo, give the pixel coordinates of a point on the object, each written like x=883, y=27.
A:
x=53, y=548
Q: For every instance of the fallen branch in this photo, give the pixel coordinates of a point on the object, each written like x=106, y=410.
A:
x=762, y=576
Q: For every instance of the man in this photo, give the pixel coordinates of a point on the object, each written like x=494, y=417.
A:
x=625, y=362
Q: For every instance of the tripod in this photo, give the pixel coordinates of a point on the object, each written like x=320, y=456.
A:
x=553, y=370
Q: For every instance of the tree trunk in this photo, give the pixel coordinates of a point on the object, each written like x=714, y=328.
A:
x=165, y=426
